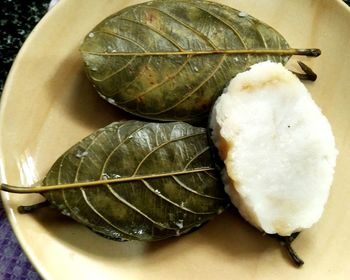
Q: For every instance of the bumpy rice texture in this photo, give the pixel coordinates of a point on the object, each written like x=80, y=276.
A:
x=278, y=148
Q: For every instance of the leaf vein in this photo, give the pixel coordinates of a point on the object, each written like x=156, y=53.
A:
x=124, y=66
x=213, y=177
x=220, y=19
x=87, y=149
x=184, y=24
x=92, y=207
x=183, y=185
x=188, y=95
x=128, y=204
x=155, y=30
x=196, y=156
x=160, y=83
x=118, y=146
x=148, y=185
x=162, y=145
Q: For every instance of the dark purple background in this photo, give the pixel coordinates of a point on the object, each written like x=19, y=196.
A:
x=17, y=19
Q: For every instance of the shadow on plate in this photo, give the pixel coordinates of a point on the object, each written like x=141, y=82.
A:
x=81, y=102
x=228, y=234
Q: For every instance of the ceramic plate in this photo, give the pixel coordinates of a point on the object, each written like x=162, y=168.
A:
x=48, y=105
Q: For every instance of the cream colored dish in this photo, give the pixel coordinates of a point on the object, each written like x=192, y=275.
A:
x=48, y=105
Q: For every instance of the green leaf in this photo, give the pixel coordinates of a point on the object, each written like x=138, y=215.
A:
x=165, y=181
x=170, y=60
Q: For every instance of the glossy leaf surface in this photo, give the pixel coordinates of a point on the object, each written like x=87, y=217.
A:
x=146, y=208
x=168, y=86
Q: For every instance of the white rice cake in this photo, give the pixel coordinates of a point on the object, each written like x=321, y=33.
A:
x=278, y=148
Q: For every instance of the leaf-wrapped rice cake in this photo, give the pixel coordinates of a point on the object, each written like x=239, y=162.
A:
x=168, y=183
x=173, y=86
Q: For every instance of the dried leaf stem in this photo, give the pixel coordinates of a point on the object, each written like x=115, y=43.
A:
x=286, y=241
x=308, y=74
x=282, y=52
x=31, y=208
x=41, y=189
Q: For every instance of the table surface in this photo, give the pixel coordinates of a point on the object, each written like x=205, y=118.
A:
x=17, y=20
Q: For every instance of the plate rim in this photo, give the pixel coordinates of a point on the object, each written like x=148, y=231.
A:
x=5, y=93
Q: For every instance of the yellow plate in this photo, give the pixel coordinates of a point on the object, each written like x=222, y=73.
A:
x=48, y=105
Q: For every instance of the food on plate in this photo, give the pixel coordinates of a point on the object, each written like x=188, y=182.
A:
x=170, y=60
x=278, y=149
x=150, y=181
